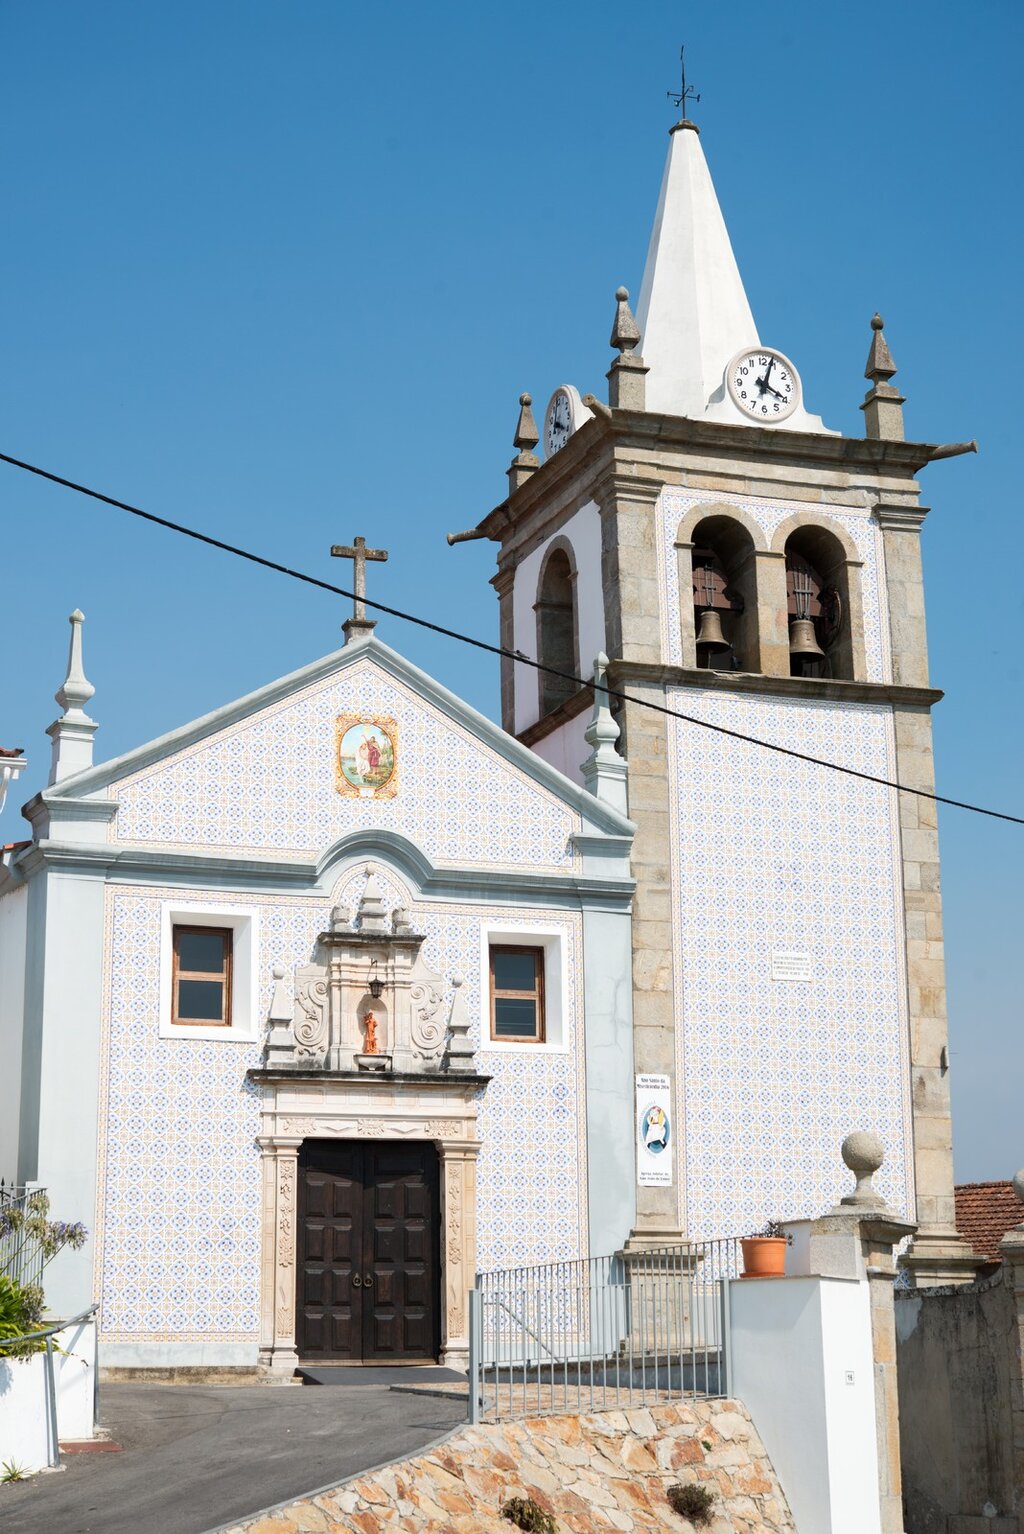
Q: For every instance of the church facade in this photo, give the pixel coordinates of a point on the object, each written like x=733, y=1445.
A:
x=313, y=1057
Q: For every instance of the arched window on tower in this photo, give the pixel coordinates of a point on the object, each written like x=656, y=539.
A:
x=556, y=629
x=724, y=596
x=817, y=601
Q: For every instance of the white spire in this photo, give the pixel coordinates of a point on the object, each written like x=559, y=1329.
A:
x=693, y=311
x=72, y=733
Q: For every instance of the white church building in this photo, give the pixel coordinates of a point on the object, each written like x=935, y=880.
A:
x=305, y=1061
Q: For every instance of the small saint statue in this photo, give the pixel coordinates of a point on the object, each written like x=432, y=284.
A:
x=370, y=1024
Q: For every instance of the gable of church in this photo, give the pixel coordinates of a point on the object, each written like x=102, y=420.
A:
x=362, y=747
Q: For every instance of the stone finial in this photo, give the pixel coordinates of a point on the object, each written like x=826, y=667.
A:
x=371, y=910
x=341, y=918
x=12, y=765
x=72, y=733
x=400, y=920
x=526, y=438
x=863, y=1153
x=627, y=389
x=460, y=1046
x=281, y=1001
x=1018, y=1188
x=604, y=771
x=625, y=335
x=280, y=1039
x=883, y=403
x=880, y=367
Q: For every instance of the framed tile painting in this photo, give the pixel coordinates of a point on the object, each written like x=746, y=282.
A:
x=366, y=756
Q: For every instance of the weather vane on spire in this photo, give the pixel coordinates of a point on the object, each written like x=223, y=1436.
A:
x=685, y=92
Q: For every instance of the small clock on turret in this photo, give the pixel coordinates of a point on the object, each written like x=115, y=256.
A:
x=565, y=414
x=763, y=384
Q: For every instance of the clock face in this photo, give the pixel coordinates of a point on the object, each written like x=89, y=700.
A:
x=558, y=423
x=764, y=385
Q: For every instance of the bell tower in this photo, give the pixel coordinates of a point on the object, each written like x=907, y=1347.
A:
x=759, y=575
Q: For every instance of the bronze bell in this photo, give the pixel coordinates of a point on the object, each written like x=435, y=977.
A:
x=709, y=634
x=802, y=639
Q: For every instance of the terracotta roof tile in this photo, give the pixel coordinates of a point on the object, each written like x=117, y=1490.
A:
x=985, y=1211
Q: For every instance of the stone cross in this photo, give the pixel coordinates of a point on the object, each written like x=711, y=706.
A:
x=359, y=554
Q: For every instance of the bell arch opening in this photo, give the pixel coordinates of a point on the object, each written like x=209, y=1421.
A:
x=556, y=629
x=724, y=596
x=818, y=605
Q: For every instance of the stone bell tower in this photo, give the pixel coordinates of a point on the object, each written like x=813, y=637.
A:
x=758, y=575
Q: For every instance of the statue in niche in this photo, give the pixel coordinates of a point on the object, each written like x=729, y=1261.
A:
x=371, y=1047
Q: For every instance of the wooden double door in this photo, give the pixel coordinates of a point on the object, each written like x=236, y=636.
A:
x=369, y=1261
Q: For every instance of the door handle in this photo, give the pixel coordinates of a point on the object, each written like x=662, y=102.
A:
x=368, y=1281
x=357, y=1282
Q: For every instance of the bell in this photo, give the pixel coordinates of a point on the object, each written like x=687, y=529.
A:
x=802, y=640
x=709, y=634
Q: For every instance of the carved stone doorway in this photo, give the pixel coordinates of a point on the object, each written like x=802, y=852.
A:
x=368, y=1268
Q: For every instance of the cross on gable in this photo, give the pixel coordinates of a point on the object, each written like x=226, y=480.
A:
x=359, y=554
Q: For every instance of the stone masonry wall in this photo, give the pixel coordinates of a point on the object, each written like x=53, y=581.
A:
x=605, y=1471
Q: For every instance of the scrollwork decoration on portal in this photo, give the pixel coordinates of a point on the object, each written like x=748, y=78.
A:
x=311, y=1017
x=429, y=1022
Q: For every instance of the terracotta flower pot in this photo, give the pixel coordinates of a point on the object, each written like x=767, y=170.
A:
x=764, y=1256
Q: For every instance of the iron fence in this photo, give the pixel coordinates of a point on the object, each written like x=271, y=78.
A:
x=21, y=1252
x=602, y=1332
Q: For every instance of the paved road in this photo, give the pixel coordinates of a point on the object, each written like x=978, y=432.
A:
x=198, y=1456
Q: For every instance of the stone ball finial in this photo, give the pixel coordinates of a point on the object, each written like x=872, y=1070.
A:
x=1018, y=1184
x=622, y=294
x=863, y=1152
x=277, y=970
x=877, y=322
x=458, y=981
x=526, y=399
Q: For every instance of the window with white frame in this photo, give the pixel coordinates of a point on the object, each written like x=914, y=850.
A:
x=523, y=985
x=209, y=986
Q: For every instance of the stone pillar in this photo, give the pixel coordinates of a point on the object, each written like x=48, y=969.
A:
x=458, y=1247
x=1011, y=1249
x=857, y=1239
x=280, y=1214
x=772, y=611
x=503, y=583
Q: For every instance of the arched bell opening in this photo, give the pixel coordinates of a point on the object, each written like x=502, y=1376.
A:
x=724, y=595
x=556, y=629
x=818, y=605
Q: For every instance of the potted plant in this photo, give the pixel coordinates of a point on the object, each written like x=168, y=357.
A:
x=764, y=1252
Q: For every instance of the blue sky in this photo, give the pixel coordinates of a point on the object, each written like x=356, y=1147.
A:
x=281, y=271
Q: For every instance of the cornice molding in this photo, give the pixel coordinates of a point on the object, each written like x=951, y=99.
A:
x=622, y=672
x=903, y=519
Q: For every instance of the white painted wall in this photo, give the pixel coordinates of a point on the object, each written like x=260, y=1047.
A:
x=583, y=532
x=13, y=917
x=565, y=748
x=802, y=1365
x=24, y=1399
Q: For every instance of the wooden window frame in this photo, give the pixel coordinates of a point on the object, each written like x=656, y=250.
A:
x=536, y=995
x=226, y=975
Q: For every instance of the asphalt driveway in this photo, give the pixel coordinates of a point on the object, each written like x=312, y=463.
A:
x=195, y=1457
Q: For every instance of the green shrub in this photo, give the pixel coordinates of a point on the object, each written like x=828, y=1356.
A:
x=527, y=1514
x=693, y=1502
x=20, y=1306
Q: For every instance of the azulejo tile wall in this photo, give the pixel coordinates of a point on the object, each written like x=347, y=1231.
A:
x=178, y=1217
x=864, y=532
x=772, y=853
x=266, y=786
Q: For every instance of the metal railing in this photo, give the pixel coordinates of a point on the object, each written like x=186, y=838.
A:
x=46, y=1335
x=602, y=1332
x=21, y=1252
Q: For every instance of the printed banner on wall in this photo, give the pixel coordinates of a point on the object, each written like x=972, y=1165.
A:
x=653, y=1131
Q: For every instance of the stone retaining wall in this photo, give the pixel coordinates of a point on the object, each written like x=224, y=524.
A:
x=605, y=1471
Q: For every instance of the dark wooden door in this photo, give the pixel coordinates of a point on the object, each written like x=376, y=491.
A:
x=368, y=1272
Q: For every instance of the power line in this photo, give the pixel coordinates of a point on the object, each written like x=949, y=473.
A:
x=492, y=649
